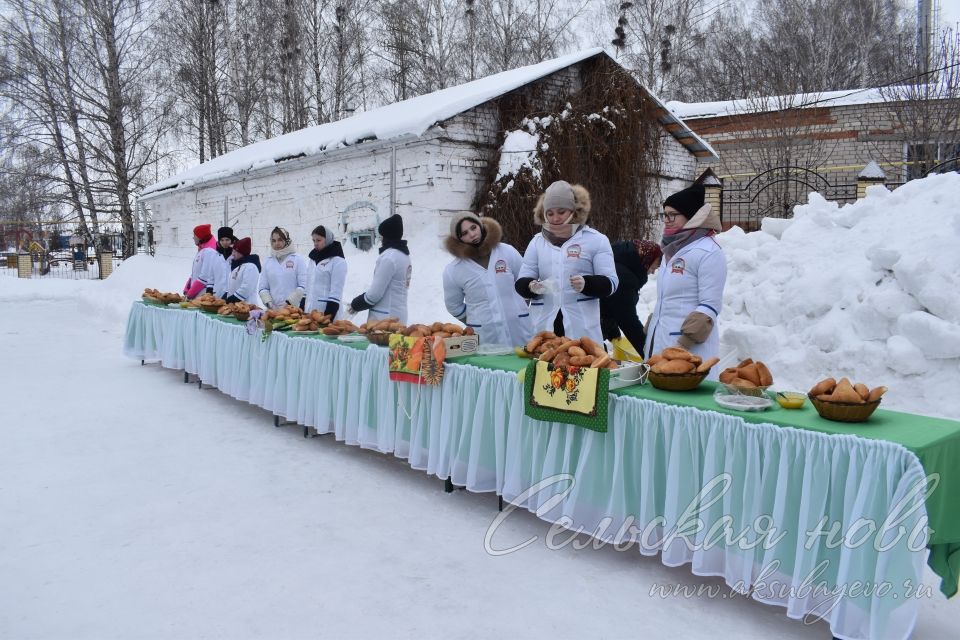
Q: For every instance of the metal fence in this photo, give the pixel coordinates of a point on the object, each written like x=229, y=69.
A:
x=774, y=193
x=58, y=264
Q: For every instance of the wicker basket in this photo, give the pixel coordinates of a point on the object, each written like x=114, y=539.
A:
x=676, y=381
x=210, y=308
x=241, y=315
x=382, y=339
x=844, y=411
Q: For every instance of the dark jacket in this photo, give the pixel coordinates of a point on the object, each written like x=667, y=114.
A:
x=618, y=312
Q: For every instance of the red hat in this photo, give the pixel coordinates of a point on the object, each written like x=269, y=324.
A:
x=649, y=251
x=243, y=246
x=202, y=232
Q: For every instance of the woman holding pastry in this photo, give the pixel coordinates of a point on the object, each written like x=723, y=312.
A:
x=568, y=266
x=478, y=286
x=691, y=278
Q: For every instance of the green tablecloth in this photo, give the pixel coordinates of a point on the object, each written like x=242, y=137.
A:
x=935, y=441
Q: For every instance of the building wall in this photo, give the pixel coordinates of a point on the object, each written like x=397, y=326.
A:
x=837, y=142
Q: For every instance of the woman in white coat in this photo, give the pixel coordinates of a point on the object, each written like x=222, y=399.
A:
x=244, y=273
x=285, y=274
x=387, y=294
x=478, y=286
x=691, y=278
x=329, y=273
x=568, y=266
x=207, y=264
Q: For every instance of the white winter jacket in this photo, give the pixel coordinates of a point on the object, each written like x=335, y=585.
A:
x=485, y=299
x=327, y=284
x=207, y=267
x=693, y=280
x=243, y=283
x=587, y=252
x=280, y=279
x=388, y=289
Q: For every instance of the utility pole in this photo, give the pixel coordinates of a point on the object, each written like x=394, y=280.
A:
x=924, y=34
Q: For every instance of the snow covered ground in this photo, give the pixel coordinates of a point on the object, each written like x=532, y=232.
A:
x=134, y=506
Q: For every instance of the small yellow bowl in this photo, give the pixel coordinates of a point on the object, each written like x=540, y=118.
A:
x=790, y=399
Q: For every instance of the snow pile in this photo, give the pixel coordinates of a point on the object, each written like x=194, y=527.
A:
x=519, y=150
x=867, y=290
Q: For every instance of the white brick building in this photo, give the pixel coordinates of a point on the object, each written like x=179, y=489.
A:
x=424, y=158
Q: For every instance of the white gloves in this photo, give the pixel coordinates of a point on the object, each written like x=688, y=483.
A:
x=537, y=287
x=577, y=282
x=267, y=299
x=294, y=298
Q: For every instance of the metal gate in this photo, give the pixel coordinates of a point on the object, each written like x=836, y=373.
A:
x=774, y=193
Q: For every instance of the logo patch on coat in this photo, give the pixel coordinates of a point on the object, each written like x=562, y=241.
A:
x=501, y=266
x=409, y=274
x=289, y=264
x=573, y=251
x=678, y=266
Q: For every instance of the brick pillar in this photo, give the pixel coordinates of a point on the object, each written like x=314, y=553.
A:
x=872, y=174
x=24, y=265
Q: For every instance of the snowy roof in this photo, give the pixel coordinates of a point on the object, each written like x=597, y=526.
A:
x=691, y=110
x=872, y=172
x=408, y=117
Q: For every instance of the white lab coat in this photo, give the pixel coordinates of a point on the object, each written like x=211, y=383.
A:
x=388, y=289
x=486, y=300
x=243, y=283
x=692, y=280
x=207, y=267
x=280, y=279
x=221, y=286
x=587, y=252
x=327, y=284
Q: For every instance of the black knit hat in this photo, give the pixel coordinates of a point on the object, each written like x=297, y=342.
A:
x=688, y=201
x=225, y=232
x=391, y=228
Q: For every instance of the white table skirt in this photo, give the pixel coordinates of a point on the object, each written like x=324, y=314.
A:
x=656, y=468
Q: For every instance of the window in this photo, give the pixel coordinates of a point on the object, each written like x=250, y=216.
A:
x=362, y=240
x=174, y=236
x=941, y=157
x=358, y=221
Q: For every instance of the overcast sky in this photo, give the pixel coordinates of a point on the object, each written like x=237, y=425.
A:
x=950, y=11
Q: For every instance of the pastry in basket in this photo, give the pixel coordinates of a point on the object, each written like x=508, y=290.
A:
x=829, y=390
x=845, y=401
x=340, y=328
x=748, y=376
x=567, y=352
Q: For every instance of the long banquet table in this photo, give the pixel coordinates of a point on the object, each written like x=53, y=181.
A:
x=822, y=518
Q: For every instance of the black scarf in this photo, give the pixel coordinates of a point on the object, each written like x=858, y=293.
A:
x=225, y=252
x=251, y=259
x=329, y=251
x=399, y=245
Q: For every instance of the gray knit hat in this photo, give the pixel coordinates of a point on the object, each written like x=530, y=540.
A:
x=559, y=195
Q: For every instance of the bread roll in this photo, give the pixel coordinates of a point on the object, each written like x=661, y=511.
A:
x=823, y=387
x=766, y=378
x=751, y=373
x=676, y=353
x=707, y=364
x=876, y=393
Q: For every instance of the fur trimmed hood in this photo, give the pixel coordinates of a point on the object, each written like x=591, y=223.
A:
x=465, y=251
x=580, y=214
